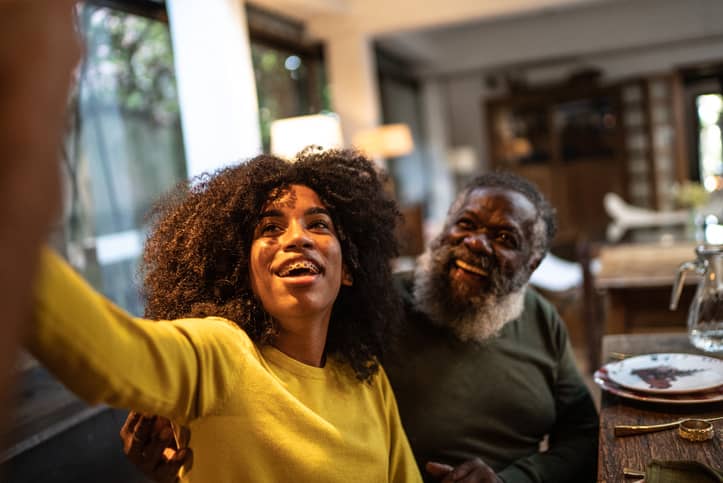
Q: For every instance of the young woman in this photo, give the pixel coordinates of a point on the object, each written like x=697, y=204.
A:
x=272, y=280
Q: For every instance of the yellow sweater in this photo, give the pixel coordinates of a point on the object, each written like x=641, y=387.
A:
x=255, y=414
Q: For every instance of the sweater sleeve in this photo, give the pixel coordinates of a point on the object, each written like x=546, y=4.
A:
x=180, y=369
x=402, y=465
x=573, y=443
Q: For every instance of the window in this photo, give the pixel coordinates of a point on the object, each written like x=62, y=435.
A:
x=709, y=108
x=288, y=69
x=124, y=147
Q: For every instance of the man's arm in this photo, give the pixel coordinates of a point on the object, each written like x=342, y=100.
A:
x=150, y=444
x=572, y=453
x=571, y=457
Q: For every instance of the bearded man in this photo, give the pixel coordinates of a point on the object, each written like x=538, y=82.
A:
x=481, y=365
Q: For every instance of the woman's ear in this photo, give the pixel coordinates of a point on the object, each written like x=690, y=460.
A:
x=346, y=277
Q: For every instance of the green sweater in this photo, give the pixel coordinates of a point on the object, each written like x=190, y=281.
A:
x=496, y=400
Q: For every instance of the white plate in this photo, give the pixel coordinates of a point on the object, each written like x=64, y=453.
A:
x=701, y=397
x=667, y=373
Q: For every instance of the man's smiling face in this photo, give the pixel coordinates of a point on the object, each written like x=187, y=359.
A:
x=472, y=278
x=486, y=246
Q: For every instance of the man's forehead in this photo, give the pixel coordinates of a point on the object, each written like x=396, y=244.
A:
x=495, y=198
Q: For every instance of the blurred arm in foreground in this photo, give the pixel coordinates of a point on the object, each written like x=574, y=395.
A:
x=38, y=52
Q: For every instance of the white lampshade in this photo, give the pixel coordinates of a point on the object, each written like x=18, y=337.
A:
x=463, y=159
x=388, y=141
x=291, y=135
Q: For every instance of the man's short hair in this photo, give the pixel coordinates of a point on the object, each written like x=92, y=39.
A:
x=545, y=226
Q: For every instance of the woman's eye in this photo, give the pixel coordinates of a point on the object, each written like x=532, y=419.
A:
x=269, y=229
x=319, y=225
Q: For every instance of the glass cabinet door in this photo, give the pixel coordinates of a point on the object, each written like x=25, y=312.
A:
x=521, y=135
x=586, y=129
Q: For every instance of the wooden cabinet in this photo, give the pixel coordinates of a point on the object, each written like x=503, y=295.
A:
x=568, y=141
x=579, y=142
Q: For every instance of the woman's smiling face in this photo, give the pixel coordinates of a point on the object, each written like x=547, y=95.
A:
x=296, y=265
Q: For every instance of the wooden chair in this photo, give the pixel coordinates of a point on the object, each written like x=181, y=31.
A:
x=592, y=305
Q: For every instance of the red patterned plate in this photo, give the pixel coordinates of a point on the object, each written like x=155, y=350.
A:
x=667, y=373
x=602, y=380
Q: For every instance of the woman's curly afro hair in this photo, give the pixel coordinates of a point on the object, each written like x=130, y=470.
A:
x=196, y=259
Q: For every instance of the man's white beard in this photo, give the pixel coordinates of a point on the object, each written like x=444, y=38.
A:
x=486, y=316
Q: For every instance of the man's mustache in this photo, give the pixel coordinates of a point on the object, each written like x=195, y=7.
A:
x=445, y=256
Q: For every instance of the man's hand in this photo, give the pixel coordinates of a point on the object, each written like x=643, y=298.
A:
x=471, y=471
x=149, y=442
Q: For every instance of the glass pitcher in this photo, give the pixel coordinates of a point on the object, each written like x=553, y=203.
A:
x=705, y=315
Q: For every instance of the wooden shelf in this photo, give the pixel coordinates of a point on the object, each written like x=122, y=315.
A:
x=635, y=152
x=575, y=138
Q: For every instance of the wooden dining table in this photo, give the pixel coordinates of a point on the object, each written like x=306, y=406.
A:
x=637, y=451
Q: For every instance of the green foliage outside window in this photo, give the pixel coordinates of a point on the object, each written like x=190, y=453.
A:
x=129, y=62
x=288, y=84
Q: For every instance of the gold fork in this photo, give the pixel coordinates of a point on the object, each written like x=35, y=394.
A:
x=627, y=430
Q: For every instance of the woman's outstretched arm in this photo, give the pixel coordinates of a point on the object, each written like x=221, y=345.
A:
x=176, y=369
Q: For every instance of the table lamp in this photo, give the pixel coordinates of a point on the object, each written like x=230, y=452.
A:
x=292, y=134
x=387, y=141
